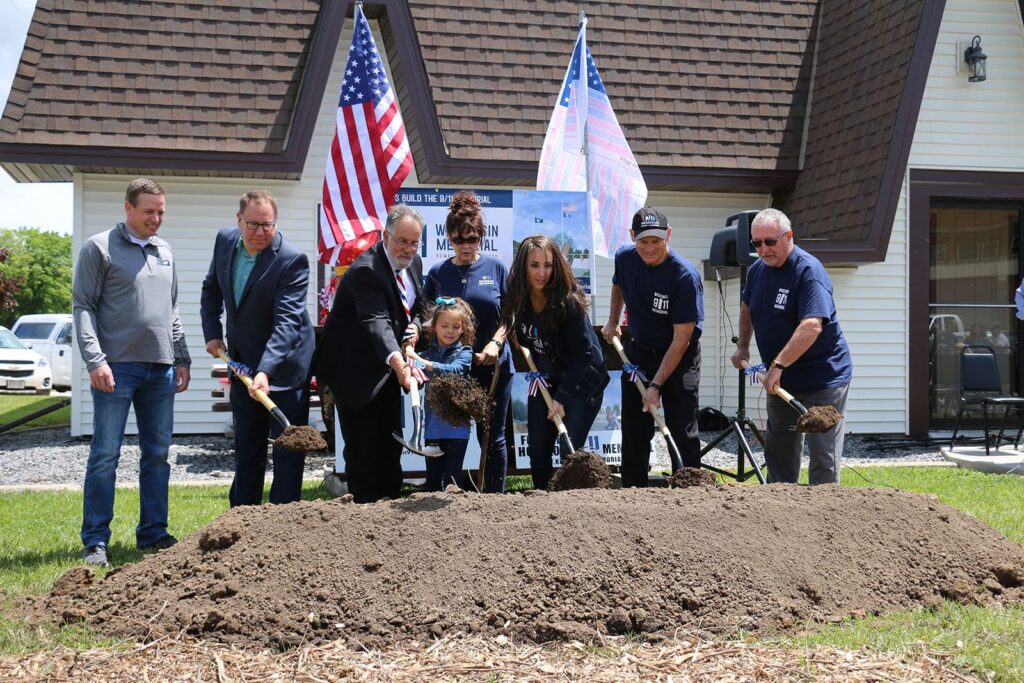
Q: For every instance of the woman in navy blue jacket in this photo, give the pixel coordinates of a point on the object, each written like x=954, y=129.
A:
x=547, y=310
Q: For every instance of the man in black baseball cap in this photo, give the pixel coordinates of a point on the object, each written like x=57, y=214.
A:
x=664, y=297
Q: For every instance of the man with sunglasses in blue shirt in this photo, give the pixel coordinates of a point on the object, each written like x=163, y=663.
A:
x=788, y=305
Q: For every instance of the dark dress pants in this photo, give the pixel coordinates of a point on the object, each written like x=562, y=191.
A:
x=373, y=458
x=497, y=449
x=579, y=418
x=253, y=424
x=679, y=401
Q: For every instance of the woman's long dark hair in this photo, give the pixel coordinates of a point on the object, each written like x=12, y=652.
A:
x=563, y=291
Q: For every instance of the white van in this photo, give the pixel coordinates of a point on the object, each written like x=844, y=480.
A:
x=49, y=335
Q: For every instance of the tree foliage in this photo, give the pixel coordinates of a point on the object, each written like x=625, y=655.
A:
x=41, y=263
x=9, y=285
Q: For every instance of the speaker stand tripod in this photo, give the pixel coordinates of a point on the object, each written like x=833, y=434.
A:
x=738, y=426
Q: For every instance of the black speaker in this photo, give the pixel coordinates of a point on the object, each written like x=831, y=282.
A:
x=731, y=245
x=723, y=248
x=742, y=220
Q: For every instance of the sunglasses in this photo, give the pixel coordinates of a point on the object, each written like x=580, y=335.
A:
x=465, y=240
x=756, y=244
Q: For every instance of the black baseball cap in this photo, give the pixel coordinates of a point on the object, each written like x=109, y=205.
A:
x=649, y=222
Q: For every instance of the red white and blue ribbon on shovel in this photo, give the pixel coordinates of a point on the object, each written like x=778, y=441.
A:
x=756, y=373
x=635, y=373
x=240, y=368
x=536, y=380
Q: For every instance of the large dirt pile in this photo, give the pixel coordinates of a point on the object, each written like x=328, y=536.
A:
x=550, y=566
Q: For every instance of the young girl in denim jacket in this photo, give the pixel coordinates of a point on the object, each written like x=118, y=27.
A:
x=452, y=331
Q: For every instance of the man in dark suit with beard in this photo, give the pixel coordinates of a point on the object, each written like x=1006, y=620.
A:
x=361, y=357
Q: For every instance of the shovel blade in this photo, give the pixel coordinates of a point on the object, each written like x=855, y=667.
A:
x=425, y=451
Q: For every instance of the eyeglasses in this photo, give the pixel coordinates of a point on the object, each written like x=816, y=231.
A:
x=465, y=240
x=403, y=243
x=253, y=226
x=756, y=244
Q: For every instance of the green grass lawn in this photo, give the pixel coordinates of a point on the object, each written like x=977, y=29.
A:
x=40, y=541
x=13, y=406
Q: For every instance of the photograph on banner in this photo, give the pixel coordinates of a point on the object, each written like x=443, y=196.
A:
x=562, y=216
x=605, y=437
x=433, y=206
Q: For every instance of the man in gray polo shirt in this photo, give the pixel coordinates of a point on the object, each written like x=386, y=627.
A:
x=125, y=297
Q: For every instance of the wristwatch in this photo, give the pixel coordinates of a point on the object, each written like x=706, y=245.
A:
x=656, y=387
x=776, y=364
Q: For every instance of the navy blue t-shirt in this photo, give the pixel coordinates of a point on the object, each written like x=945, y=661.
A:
x=485, y=286
x=779, y=298
x=656, y=298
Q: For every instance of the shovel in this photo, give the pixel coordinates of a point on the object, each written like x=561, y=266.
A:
x=415, y=444
x=673, y=450
x=559, y=425
x=816, y=419
x=294, y=437
x=487, y=430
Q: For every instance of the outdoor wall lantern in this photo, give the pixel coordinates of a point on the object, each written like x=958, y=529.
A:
x=975, y=59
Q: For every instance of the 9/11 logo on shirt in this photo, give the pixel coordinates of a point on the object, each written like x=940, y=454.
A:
x=781, y=298
x=660, y=304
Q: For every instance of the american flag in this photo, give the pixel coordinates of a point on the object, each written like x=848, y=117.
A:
x=369, y=156
x=585, y=150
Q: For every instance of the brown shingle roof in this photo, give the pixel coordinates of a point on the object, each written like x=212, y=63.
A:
x=865, y=53
x=710, y=99
x=192, y=74
x=692, y=87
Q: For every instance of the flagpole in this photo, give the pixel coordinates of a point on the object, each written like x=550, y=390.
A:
x=585, y=80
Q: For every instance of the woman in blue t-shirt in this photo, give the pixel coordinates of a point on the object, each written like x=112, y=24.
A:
x=547, y=309
x=482, y=282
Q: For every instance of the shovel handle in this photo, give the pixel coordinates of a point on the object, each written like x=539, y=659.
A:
x=658, y=419
x=783, y=394
x=261, y=396
x=673, y=450
x=414, y=386
x=559, y=425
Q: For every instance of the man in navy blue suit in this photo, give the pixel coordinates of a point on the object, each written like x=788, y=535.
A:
x=361, y=357
x=261, y=280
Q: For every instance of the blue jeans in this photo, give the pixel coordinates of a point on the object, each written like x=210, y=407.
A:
x=150, y=387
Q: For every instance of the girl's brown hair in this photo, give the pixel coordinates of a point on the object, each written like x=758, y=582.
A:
x=465, y=219
x=458, y=306
x=563, y=290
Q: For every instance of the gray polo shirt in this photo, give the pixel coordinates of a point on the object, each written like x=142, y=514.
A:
x=125, y=298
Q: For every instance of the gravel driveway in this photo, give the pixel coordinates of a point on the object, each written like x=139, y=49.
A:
x=54, y=457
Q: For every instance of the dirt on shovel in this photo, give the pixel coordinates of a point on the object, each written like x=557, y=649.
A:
x=819, y=419
x=582, y=470
x=301, y=438
x=457, y=400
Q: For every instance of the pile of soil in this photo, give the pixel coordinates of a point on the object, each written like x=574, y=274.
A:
x=691, y=476
x=582, y=470
x=550, y=566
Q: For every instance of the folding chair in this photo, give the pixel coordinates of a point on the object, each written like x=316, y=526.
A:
x=980, y=385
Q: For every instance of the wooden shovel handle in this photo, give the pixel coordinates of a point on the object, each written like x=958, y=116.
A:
x=779, y=391
x=658, y=419
x=543, y=390
x=261, y=396
x=414, y=386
